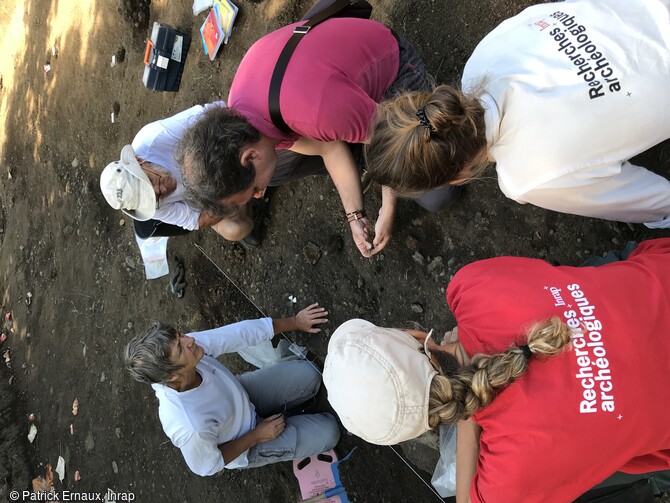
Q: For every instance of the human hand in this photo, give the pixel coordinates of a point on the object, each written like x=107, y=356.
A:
x=361, y=234
x=451, y=340
x=270, y=428
x=450, y=337
x=310, y=316
x=383, y=229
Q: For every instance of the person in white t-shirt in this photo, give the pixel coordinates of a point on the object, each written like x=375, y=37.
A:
x=219, y=420
x=146, y=185
x=560, y=97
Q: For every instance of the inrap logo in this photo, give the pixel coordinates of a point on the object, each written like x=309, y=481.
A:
x=119, y=195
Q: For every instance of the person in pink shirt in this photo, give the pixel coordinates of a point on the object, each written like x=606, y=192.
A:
x=335, y=78
x=557, y=377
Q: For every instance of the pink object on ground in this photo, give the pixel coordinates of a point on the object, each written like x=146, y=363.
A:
x=315, y=475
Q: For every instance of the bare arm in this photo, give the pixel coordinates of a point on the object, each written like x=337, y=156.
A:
x=269, y=429
x=467, y=453
x=206, y=219
x=384, y=225
x=304, y=320
x=342, y=170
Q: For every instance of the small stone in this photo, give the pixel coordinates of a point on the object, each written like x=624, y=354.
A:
x=411, y=243
x=117, y=432
x=360, y=283
x=435, y=264
x=122, y=222
x=418, y=258
x=89, y=444
x=417, y=308
x=451, y=261
x=130, y=325
x=615, y=241
x=75, y=162
x=130, y=262
x=115, y=467
x=312, y=253
x=102, y=377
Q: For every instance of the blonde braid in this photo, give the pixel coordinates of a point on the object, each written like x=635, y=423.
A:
x=457, y=397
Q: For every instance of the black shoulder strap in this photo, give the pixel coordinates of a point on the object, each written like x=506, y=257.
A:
x=285, y=56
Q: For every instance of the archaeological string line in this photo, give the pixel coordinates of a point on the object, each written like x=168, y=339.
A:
x=201, y=249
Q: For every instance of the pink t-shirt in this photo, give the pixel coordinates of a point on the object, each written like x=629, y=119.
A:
x=572, y=420
x=334, y=80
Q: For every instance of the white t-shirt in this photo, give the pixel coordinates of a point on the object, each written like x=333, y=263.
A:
x=156, y=142
x=218, y=411
x=572, y=90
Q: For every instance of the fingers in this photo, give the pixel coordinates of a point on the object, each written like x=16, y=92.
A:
x=450, y=337
x=361, y=234
x=380, y=242
x=315, y=310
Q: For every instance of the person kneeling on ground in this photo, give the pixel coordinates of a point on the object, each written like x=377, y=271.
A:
x=219, y=420
x=338, y=73
x=559, y=376
x=146, y=185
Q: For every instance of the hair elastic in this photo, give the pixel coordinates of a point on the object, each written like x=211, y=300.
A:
x=526, y=351
x=423, y=119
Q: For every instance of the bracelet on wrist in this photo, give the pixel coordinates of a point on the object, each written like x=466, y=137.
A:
x=355, y=215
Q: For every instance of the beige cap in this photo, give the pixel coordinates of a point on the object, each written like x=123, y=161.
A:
x=127, y=188
x=378, y=382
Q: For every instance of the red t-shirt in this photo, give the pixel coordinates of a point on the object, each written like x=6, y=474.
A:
x=572, y=420
x=334, y=80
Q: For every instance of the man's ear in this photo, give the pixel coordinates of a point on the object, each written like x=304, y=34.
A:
x=248, y=154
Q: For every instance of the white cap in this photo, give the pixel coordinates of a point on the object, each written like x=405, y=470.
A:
x=127, y=188
x=378, y=382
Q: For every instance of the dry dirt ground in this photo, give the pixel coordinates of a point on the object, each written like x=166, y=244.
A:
x=72, y=277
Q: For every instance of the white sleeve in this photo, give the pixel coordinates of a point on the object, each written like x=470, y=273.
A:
x=235, y=337
x=202, y=454
x=628, y=194
x=178, y=213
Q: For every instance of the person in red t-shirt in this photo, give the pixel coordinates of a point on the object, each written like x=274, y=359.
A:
x=562, y=376
x=337, y=75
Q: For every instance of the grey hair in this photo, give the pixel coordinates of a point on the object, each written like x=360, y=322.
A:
x=147, y=356
x=209, y=155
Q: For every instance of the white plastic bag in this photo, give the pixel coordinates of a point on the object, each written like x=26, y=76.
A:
x=444, y=476
x=154, y=256
x=263, y=354
x=201, y=6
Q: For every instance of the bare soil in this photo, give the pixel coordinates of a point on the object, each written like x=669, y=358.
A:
x=72, y=277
